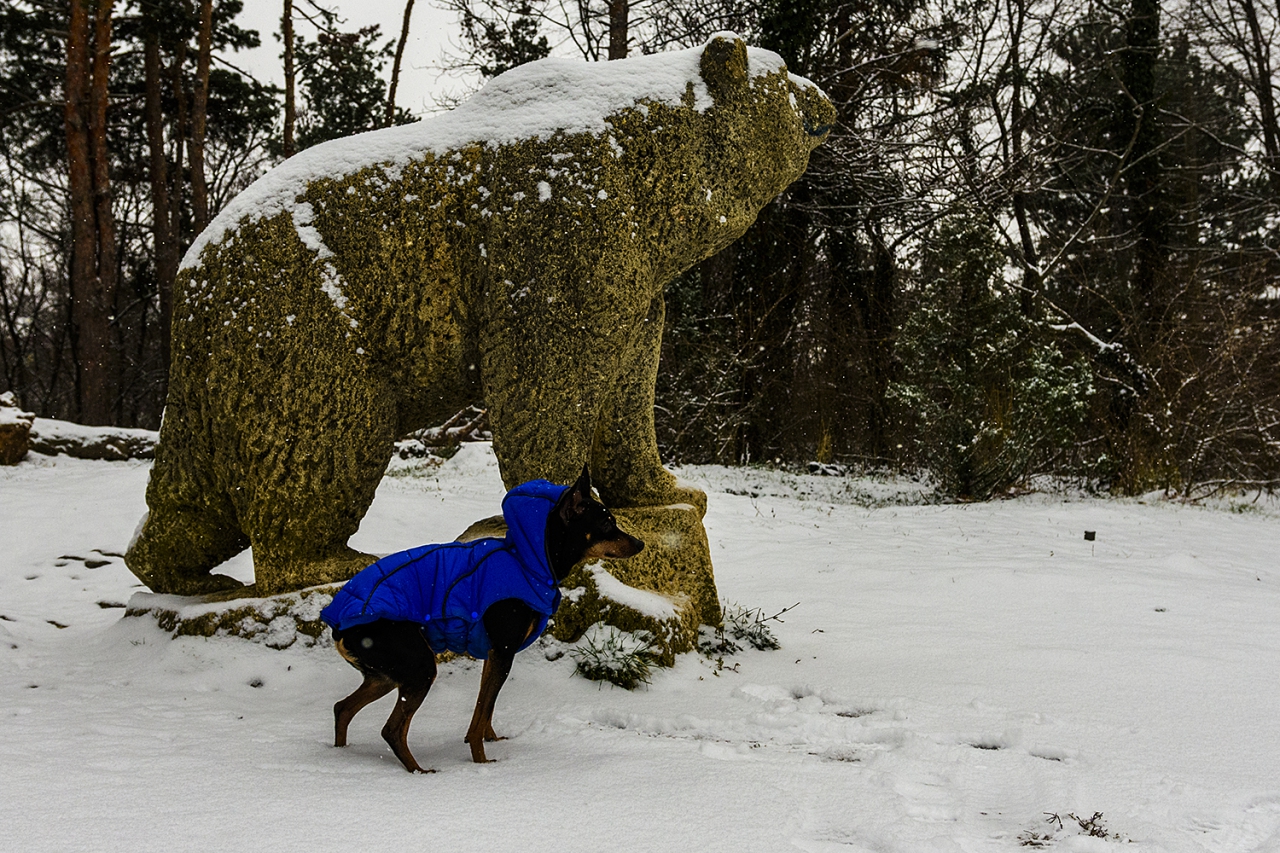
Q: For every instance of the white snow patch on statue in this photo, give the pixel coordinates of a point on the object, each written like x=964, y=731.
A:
x=511, y=107
x=643, y=601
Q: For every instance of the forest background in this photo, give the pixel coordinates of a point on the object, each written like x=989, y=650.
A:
x=1043, y=238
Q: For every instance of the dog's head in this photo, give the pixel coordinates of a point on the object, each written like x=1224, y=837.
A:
x=587, y=530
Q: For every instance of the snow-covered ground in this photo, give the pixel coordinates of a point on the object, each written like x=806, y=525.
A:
x=952, y=675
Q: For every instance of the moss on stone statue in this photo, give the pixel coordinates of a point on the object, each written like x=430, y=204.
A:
x=528, y=273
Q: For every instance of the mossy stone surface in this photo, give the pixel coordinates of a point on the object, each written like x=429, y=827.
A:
x=529, y=274
x=278, y=622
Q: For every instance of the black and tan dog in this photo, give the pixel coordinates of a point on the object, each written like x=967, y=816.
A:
x=489, y=598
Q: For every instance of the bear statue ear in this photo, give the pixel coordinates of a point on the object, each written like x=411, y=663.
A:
x=724, y=65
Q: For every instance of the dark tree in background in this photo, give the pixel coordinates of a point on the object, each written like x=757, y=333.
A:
x=289, y=146
x=105, y=188
x=124, y=128
x=193, y=134
x=93, y=271
x=187, y=126
x=342, y=85
x=499, y=38
x=498, y=35
x=804, y=307
x=395, y=65
x=35, y=343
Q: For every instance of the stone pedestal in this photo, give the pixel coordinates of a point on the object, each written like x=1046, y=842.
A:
x=15, y=430
x=279, y=621
x=668, y=589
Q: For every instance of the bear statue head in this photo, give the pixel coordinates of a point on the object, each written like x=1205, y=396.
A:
x=765, y=122
x=728, y=70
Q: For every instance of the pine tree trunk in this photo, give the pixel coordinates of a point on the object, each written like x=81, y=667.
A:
x=290, y=110
x=1262, y=73
x=1141, y=131
x=166, y=243
x=1137, y=447
x=618, y=12
x=180, y=134
x=878, y=321
x=811, y=435
x=1031, y=279
x=395, y=66
x=199, y=116
x=93, y=252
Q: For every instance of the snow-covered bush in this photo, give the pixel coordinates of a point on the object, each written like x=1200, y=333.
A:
x=986, y=394
x=623, y=658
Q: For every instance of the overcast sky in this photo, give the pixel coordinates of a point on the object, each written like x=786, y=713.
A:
x=431, y=31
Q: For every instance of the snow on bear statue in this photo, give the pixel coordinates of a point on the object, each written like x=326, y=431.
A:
x=512, y=250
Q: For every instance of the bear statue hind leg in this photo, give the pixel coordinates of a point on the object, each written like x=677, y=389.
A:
x=177, y=547
x=283, y=570
x=191, y=525
x=310, y=481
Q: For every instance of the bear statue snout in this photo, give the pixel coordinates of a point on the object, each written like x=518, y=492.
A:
x=820, y=130
x=817, y=113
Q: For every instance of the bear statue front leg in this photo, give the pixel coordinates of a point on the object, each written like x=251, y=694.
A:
x=625, y=463
x=543, y=406
x=591, y=399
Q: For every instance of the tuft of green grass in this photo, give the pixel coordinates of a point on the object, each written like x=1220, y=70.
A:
x=623, y=658
x=742, y=627
x=1093, y=827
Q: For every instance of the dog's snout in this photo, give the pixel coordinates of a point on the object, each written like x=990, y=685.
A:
x=627, y=545
x=617, y=548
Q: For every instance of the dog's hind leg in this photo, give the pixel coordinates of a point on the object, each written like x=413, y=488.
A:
x=373, y=688
x=396, y=731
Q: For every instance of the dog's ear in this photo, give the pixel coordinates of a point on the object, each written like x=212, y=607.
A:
x=575, y=497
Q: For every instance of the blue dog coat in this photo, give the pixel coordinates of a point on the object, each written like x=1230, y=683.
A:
x=447, y=588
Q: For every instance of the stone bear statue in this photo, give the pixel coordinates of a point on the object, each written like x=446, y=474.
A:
x=512, y=250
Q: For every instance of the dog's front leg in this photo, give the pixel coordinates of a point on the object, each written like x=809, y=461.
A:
x=509, y=623
x=496, y=669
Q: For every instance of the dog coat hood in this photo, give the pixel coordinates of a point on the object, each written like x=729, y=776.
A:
x=447, y=588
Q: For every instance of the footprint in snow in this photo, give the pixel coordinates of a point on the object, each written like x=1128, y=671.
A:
x=927, y=798
x=96, y=559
